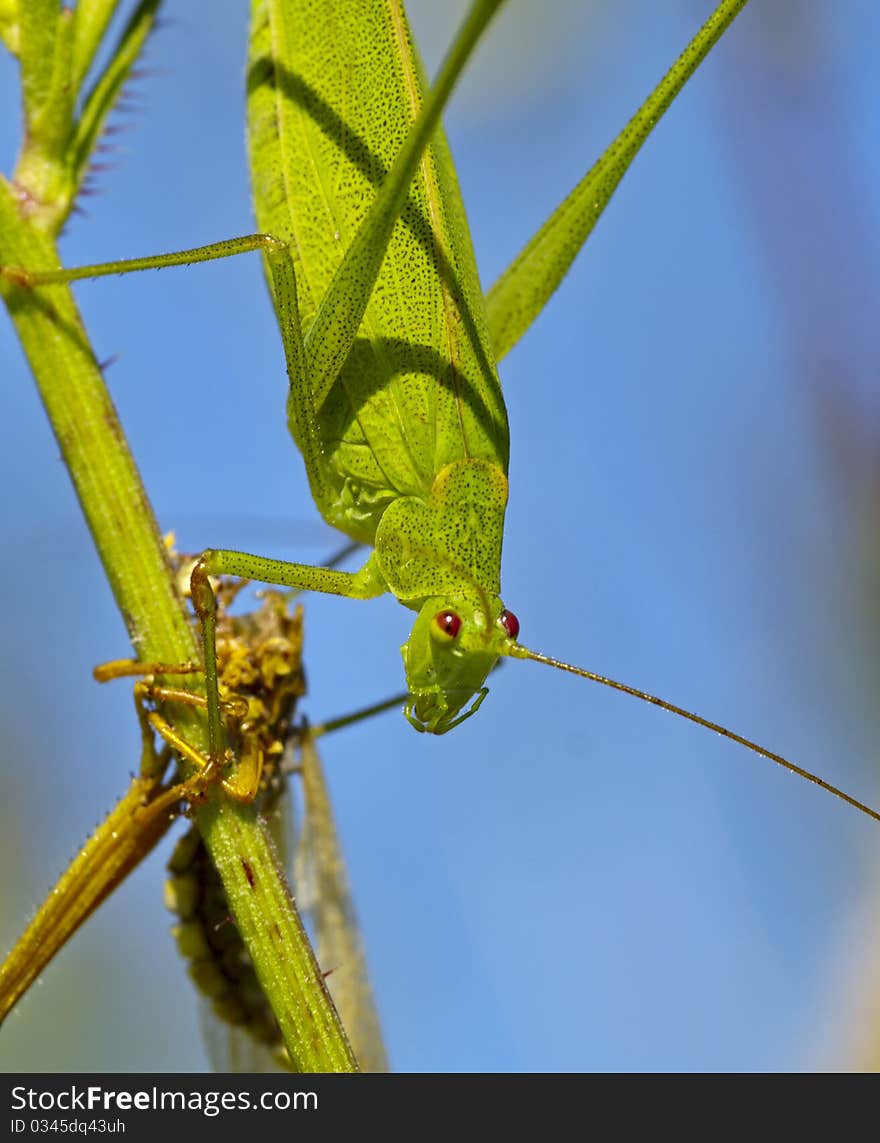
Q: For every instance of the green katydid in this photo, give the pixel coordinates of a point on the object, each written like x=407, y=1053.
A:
x=394, y=398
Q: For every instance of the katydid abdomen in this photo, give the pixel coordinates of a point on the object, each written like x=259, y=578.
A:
x=419, y=389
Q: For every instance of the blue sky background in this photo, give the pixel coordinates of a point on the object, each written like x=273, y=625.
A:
x=571, y=880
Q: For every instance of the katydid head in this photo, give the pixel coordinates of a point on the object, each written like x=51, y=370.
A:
x=454, y=644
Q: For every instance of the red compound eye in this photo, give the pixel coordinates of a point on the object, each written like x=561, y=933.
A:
x=510, y=623
x=448, y=622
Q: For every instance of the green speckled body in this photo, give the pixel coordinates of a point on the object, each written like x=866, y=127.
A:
x=419, y=390
x=450, y=543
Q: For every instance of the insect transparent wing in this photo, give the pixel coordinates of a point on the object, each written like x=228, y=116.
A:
x=324, y=895
x=233, y=1049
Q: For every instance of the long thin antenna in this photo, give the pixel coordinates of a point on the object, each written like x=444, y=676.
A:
x=517, y=651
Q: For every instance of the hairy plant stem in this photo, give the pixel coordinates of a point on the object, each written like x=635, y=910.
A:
x=129, y=544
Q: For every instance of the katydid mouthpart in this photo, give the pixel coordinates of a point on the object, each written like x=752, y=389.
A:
x=394, y=400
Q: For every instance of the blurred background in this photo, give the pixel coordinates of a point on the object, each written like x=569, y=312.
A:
x=572, y=880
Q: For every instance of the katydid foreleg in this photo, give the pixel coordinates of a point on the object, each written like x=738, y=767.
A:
x=364, y=584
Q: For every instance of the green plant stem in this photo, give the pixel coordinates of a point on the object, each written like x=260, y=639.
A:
x=137, y=822
x=131, y=549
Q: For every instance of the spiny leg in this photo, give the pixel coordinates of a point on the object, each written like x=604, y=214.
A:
x=129, y=668
x=226, y=249
x=152, y=765
x=332, y=724
x=340, y=556
x=245, y=783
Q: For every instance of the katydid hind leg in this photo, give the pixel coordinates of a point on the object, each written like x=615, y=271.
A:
x=302, y=411
x=227, y=248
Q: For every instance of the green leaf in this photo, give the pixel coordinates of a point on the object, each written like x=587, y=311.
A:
x=38, y=29
x=524, y=288
x=9, y=27
x=105, y=91
x=91, y=18
x=56, y=151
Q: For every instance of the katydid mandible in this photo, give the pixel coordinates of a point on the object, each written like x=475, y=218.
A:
x=394, y=402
